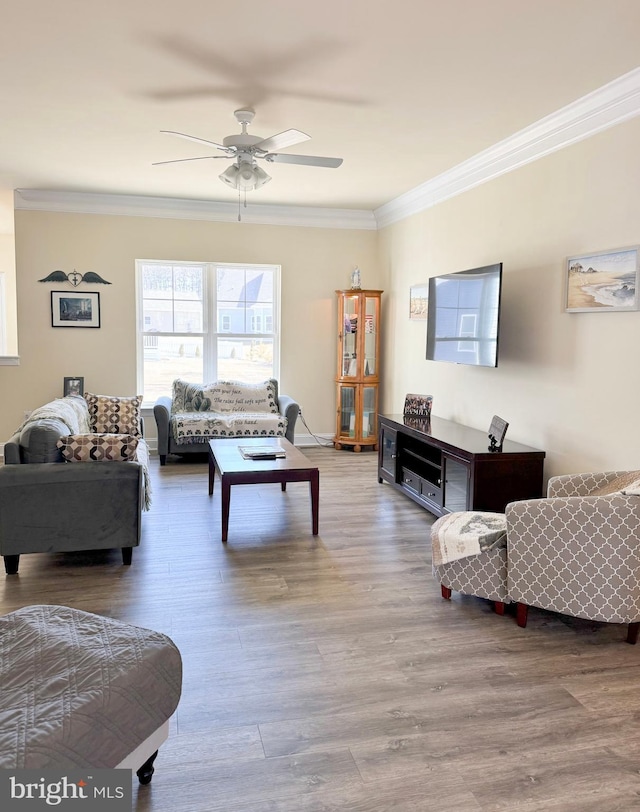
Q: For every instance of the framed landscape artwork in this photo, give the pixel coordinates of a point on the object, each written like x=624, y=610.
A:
x=75, y=309
x=603, y=282
x=418, y=301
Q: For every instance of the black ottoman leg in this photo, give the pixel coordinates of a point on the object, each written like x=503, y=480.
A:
x=145, y=773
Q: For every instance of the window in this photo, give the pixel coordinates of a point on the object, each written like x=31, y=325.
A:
x=204, y=322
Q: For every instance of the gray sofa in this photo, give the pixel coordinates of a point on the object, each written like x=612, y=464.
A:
x=49, y=505
x=197, y=413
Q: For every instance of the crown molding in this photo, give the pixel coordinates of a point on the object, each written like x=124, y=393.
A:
x=181, y=209
x=611, y=104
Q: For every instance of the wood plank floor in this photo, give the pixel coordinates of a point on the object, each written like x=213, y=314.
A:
x=326, y=673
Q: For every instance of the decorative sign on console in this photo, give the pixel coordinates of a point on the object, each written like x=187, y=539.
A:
x=497, y=431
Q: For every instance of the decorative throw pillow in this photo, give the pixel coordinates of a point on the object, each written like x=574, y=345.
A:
x=114, y=415
x=188, y=397
x=237, y=396
x=98, y=447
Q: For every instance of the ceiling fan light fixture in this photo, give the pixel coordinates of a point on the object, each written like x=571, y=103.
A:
x=230, y=176
x=244, y=176
x=261, y=177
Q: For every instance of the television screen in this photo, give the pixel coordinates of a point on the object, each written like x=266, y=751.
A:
x=464, y=315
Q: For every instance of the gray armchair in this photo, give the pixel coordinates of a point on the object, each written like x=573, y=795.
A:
x=577, y=552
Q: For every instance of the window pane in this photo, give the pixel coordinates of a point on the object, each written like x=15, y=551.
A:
x=158, y=315
x=188, y=317
x=261, y=318
x=233, y=316
x=157, y=281
x=231, y=285
x=245, y=359
x=167, y=358
x=187, y=282
x=259, y=286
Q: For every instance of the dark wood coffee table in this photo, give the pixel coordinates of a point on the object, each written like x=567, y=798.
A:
x=234, y=469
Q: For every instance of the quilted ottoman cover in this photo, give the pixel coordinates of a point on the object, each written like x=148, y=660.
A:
x=81, y=690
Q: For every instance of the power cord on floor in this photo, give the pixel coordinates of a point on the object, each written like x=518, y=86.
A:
x=319, y=440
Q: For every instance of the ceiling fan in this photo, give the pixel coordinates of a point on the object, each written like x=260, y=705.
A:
x=245, y=174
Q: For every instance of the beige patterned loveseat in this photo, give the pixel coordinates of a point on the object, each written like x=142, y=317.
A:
x=196, y=413
x=577, y=552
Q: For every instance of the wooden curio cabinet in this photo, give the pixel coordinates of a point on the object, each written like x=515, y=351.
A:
x=357, y=376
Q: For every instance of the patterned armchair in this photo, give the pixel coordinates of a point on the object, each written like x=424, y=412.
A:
x=577, y=552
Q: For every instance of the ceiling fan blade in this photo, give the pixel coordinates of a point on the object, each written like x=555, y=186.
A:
x=284, y=139
x=181, y=160
x=307, y=160
x=198, y=140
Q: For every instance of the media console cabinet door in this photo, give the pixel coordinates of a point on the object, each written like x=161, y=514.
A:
x=456, y=485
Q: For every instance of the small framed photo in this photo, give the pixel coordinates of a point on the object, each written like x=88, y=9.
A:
x=418, y=302
x=75, y=309
x=73, y=386
x=418, y=406
x=603, y=282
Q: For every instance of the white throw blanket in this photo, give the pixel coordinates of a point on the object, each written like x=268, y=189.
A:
x=71, y=410
x=460, y=535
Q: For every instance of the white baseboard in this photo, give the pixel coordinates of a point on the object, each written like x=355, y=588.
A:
x=309, y=440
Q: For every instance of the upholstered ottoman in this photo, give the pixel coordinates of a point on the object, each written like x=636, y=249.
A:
x=81, y=690
x=469, y=555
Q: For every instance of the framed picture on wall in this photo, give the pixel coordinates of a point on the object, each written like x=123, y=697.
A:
x=75, y=309
x=418, y=301
x=603, y=282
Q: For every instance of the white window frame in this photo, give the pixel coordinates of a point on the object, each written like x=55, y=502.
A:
x=210, y=333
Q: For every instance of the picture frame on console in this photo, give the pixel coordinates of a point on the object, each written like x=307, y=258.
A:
x=603, y=282
x=75, y=309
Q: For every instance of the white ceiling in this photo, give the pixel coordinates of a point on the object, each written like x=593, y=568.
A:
x=403, y=90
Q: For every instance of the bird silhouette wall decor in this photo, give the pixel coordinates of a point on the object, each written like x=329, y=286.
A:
x=74, y=278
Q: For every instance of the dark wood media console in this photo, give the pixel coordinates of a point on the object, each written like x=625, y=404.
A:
x=446, y=467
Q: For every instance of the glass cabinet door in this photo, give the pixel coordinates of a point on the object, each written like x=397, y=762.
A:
x=456, y=487
x=347, y=411
x=369, y=411
x=389, y=451
x=371, y=335
x=351, y=319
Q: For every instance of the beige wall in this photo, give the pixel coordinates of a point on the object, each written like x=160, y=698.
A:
x=315, y=261
x=567, y=383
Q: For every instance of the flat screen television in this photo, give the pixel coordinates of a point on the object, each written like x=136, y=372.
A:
x=463, y=319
